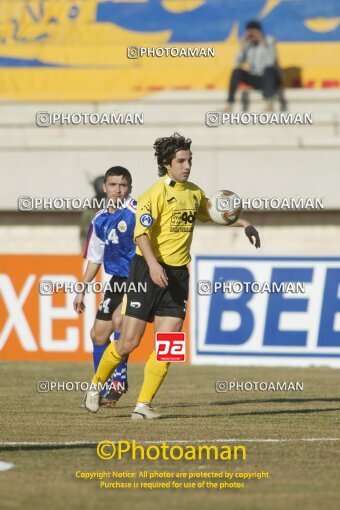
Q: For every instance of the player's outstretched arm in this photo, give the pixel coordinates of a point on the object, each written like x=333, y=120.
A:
x=90, y=272
x=157, y=272
x=250, y=231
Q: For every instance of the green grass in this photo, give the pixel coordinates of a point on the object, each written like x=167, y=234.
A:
x=302, y=474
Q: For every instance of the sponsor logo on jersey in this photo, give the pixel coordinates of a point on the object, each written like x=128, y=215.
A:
x=146, y=220
x=182, y=220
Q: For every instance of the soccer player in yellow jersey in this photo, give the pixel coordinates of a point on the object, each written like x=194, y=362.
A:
x=165, y=220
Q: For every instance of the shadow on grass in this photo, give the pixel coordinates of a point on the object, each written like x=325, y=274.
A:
x=274, y=400
x=119, y=412
x=288, y=411
x=248, y=401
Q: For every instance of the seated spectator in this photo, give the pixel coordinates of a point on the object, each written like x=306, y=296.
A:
x=258, y=51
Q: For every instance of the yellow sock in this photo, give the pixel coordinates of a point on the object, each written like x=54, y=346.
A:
x=110, y=360
x=154, y=373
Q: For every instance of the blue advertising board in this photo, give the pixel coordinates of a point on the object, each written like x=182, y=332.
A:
x=265, y=311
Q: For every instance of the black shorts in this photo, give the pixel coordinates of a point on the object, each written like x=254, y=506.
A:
x=112, y=298
x=144, y=299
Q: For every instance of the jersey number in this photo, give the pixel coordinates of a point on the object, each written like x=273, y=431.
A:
x=113, y=236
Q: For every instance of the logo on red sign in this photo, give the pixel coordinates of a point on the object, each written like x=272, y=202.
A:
x=170, y=347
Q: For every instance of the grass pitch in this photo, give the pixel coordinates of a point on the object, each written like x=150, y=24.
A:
x=302, y=473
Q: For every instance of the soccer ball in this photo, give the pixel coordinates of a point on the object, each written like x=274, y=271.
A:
x=224, y=207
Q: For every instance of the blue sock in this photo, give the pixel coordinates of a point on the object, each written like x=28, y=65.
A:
x=120, y=374
x=98, y=351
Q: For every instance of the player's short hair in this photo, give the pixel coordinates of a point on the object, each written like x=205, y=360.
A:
x=254, y=24
x=166, y=148
x=118, y=170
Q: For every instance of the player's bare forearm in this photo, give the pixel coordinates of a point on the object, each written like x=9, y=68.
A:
x=250, y=231
x=240, y=223
x=157, y=272
x=90, y=271
x=143, y=243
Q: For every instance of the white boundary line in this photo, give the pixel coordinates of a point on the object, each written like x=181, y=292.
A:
x=84, y=444
x=53, y=443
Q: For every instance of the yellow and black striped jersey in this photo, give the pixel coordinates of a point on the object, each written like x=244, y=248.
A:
x=166, y=213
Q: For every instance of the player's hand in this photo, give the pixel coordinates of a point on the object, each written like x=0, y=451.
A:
x=251, y=233
x=78, y=303
x=158, y=275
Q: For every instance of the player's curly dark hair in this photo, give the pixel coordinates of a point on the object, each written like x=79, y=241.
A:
x=166, y=148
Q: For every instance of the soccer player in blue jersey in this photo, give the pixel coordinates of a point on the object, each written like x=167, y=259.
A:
x=110, y=242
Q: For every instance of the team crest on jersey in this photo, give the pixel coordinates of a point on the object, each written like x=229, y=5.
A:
x=146, y=220
x=196, y=202
x=122, y=226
